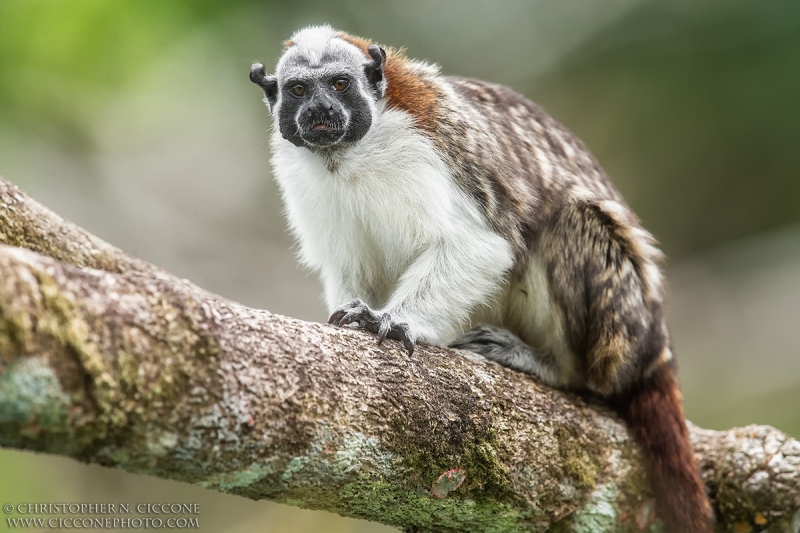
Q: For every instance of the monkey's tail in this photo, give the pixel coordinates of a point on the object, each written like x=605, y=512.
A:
x=655, y=414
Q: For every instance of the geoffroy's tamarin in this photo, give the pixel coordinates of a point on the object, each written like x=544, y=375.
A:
x=456, y=212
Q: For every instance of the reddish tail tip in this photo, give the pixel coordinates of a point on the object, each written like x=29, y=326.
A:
x=655, y=415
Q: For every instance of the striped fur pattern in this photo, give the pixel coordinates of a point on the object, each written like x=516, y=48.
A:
x=466, y=208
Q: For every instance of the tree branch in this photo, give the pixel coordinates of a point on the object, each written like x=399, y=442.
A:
x=108, y=359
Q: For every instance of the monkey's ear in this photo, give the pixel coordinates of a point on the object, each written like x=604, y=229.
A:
x=268, y=83
x=374, y=70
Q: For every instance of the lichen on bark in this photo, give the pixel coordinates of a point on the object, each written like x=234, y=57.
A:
x=110, y=360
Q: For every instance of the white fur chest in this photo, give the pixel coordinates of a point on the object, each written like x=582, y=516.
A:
x=363, y=218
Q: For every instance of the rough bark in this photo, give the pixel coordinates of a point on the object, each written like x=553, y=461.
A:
x=108, y=359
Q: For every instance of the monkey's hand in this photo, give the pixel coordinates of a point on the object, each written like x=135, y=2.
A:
x=373, y=321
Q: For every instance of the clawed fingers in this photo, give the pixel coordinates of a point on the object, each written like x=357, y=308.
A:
x=383, y=325
x=356, y=315
x=338, y=316
x=402, y=333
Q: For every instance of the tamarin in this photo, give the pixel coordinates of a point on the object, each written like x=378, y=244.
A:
x=455, y=212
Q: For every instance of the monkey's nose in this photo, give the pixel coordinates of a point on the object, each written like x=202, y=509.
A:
x=324, y=108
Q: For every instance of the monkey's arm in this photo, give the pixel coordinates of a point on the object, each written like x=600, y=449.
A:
x=447, y=281
x=436, y=294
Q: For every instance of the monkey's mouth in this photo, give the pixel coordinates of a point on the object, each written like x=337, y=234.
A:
x=321, y=133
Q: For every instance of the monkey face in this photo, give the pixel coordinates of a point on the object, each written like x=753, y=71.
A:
x=323, y=110
x=325, y=90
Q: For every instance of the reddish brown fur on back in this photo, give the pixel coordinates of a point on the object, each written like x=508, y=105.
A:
x=656, y=416
x=405, y=89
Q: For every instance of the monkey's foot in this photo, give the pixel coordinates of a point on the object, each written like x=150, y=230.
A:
x=372, y=321
x=503, y=347
x=491, y=342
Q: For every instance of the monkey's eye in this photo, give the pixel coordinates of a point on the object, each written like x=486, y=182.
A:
x=341, y=84
x=298, y=89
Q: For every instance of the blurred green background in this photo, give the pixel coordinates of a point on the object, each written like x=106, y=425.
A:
x=136, y=120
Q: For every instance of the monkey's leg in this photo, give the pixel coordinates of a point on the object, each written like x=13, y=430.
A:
x=603, y=271
x=503, y=347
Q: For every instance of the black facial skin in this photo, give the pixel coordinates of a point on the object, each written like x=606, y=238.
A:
x=318, y=118
x=322, y=114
